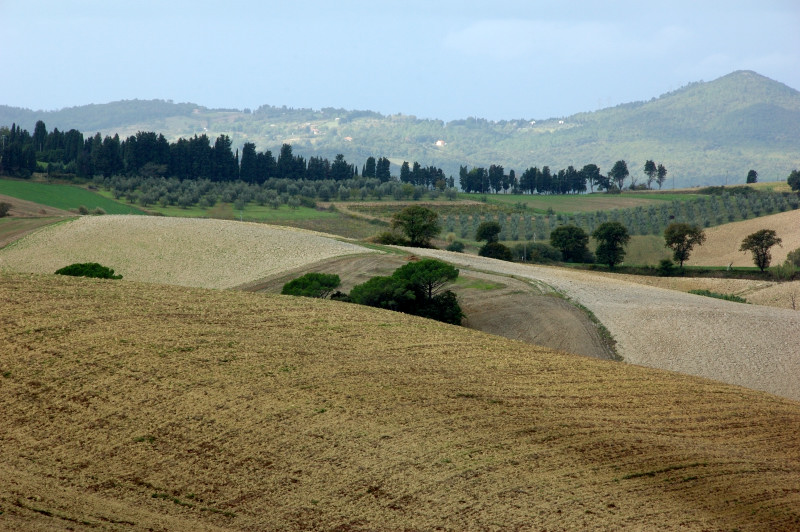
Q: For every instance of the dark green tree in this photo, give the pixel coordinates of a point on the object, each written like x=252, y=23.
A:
x=319, y=285
x=794, y=181
x=88, y=269
x=619, y=172
x=488, y=231
x=661, y=175
x=611, y=240
x=248, y=168
x=405, y=173
x=591, y=174
x=681, y=238
x=496, y=250
x=340, y=170
x=759, y=244
x=752, y=177
x=384, y=292
x=572, y=241
x=419, y=224
x=383, y=170
x=650, y=170
x=370, y=168
x=427, y=277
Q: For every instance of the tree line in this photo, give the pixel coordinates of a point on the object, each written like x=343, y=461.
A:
x=149, y=154
x=565, y=181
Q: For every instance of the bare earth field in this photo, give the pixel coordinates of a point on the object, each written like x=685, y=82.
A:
x=135, y=406
x=722, y=242
x=180, y=251
x=748, y=345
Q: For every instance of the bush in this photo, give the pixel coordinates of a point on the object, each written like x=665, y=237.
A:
x=495, y=250
x=4, y=208
x=794, y=257
x=536, y=252
x=319, y=285
x=390, y=238
x=83, y=210
x=456, y=246
x=98, y=211
x=666, y=268
x=88, y=269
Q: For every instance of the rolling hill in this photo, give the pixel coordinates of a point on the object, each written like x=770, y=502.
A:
x=707, y=133
x=132, y=406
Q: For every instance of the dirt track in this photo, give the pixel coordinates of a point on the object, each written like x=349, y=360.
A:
x=750, y=345
x=495, y=304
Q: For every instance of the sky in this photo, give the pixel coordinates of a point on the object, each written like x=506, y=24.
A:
x=448, y=59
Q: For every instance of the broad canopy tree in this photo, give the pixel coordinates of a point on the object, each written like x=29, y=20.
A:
x=572, y=241
x=611, y=240
x=759, y=244
x=419, y=224
x=681, y=238
x=619, y=172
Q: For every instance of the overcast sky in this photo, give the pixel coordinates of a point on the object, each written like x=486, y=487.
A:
x=496, y=59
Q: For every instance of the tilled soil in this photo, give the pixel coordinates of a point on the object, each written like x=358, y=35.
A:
x=749, y=345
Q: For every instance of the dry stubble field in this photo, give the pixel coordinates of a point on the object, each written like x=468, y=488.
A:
x=722, y=242
x=134, y=406
x=749, y=345
x=181, y=251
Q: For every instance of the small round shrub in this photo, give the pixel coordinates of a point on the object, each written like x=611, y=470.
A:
x=88, y=269
x=666, y=268
x=456, y=246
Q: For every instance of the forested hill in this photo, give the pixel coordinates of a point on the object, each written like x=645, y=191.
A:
x=704, y=133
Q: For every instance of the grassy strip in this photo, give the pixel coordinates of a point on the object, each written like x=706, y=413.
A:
x=63, y=196
x=717, y=295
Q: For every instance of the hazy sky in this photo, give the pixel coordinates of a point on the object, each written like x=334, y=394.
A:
x=496, y=59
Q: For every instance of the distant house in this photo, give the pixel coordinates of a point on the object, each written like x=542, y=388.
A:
x=315, y=131
x=348, y=139
x=441, y=143
x=561, y=122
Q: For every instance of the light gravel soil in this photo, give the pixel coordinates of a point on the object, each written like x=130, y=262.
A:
x=188, y=252
x=749, y=345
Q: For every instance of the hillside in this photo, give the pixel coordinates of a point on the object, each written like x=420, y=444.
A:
x=706, y=133
x=187, y=252
x=722, y=242
x=141, y=406
x=747, y=345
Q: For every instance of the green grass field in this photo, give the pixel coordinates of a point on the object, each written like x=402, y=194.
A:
x=63, y=196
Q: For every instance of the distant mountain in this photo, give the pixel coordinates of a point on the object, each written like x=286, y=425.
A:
x=704, y=133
